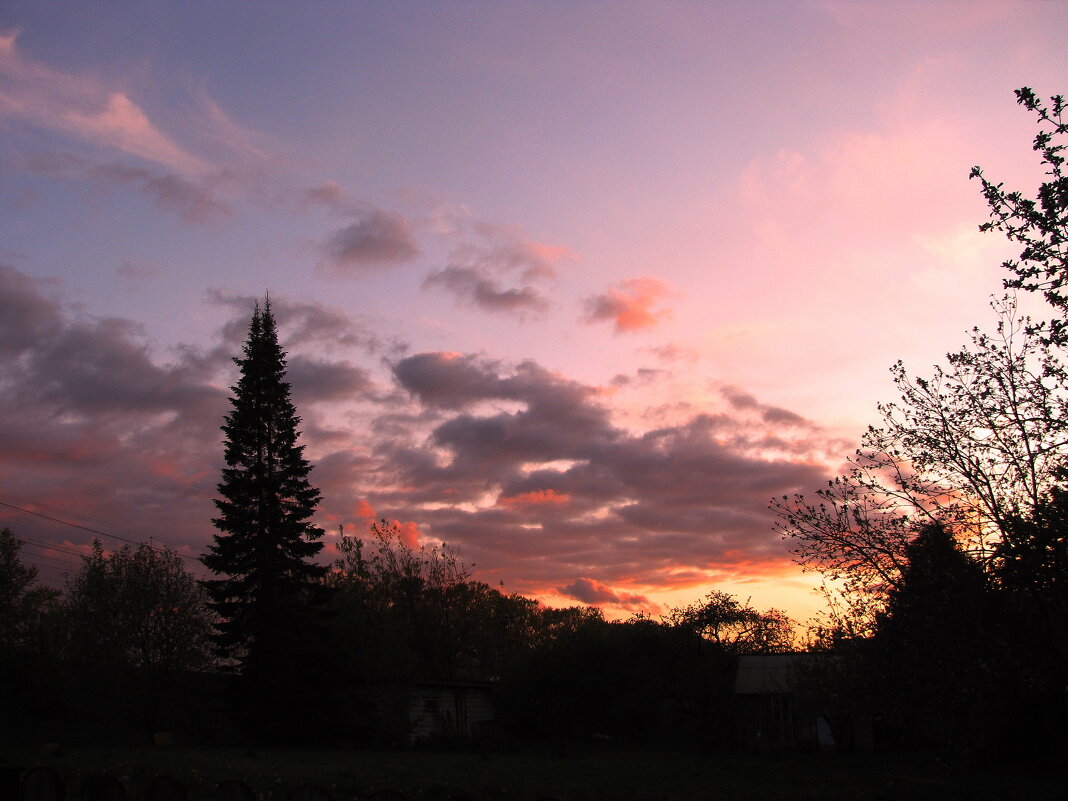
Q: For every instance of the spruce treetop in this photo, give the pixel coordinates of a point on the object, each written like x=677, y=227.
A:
x=266, y=501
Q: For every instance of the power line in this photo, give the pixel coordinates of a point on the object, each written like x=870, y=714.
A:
x=85, y=517
x=92, y=530
x=51, y=572
x=36, y=558
x=40, y=544
x=58, y=568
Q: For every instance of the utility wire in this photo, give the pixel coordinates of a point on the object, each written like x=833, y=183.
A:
x=39, y=544
x=92, y=530
x=84, y=517
x=37, y=558
x=51, y=572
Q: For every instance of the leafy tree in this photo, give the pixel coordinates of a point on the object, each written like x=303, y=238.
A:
x=554, y=624
x=720, y=629
x=27, y=662
x=932, y=661
x=268, y=598
x=22, y=600
x=1030, y=568
x=406, y=613
x=570, y=684
x=975, y=445
x=138, y=615
x=395, y=604
x=978, y=444
x=1032, y=556
x=928, y=667
x=735, y=627
x=414, y=613
x=1040, y=224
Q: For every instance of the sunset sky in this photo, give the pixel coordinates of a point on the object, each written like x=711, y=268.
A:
x=576, y=287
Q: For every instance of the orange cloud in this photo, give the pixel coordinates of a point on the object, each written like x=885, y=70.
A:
x=629, y=304
x=409, y=533
x=364, y=510
x=536, y=498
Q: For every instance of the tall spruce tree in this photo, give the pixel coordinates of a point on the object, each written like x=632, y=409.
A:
x=270, y=592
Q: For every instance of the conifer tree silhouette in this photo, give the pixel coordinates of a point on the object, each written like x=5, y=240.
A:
x=269, y=593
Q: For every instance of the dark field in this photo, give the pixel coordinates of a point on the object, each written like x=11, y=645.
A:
x=587, y=773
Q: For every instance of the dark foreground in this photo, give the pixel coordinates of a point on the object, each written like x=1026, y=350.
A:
x=587, y=773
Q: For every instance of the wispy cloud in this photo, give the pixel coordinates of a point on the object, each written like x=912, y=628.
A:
x=193, y=201
x=81, y=106
x=169, y=192
x=198, y=169
x=496, y=268
x=331, y=195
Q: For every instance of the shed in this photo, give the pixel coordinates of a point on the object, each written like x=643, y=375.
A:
x=771, y=713
x=449, y=710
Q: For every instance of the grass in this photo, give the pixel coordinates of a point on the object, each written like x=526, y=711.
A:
x=586, y=774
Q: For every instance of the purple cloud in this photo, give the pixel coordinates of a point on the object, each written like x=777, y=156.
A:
x=477, y=288
x=521, y=468
x=375, y=239
x=485, y=258
x=193, y=201
x=592, y=592
x=168, y=192
x=570, y=493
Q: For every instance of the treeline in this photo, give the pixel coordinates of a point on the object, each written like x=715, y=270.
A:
x=127, y=650
x=118, y=650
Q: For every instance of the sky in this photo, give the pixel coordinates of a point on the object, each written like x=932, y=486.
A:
x=574, y=287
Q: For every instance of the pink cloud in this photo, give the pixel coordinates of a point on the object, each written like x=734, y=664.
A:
x=80, y=105
x=629, y=305
x=506, y=248
x=218, y=130
x=859, y=187
x=121, y=123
